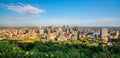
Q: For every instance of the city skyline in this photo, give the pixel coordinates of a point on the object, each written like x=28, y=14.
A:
x=60, y=12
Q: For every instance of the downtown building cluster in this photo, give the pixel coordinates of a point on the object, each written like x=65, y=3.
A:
x=59, y=33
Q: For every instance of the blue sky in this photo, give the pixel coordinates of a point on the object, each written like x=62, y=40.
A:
x=60, y=12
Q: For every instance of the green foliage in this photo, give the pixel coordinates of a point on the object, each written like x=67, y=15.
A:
x=57, y=49
x=116, y=40
x=41, y=48
x=7, y=49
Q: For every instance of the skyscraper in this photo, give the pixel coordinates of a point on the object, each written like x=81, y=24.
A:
x=117, y=34
x=41, y=30
x=105, y=34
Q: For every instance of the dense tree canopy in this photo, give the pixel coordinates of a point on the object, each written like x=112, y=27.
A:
x=58, y=49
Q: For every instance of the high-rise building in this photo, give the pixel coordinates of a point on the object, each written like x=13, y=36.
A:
x=41, y=31
x=64, y=28
x=51, y=29
x=117, y=34
x=105, y=34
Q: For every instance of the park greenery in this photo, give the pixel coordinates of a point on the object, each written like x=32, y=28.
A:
x=59, y=49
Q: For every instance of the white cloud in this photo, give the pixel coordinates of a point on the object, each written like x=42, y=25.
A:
x=24, y=9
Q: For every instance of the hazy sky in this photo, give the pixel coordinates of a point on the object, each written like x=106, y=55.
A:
x=60, y=12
